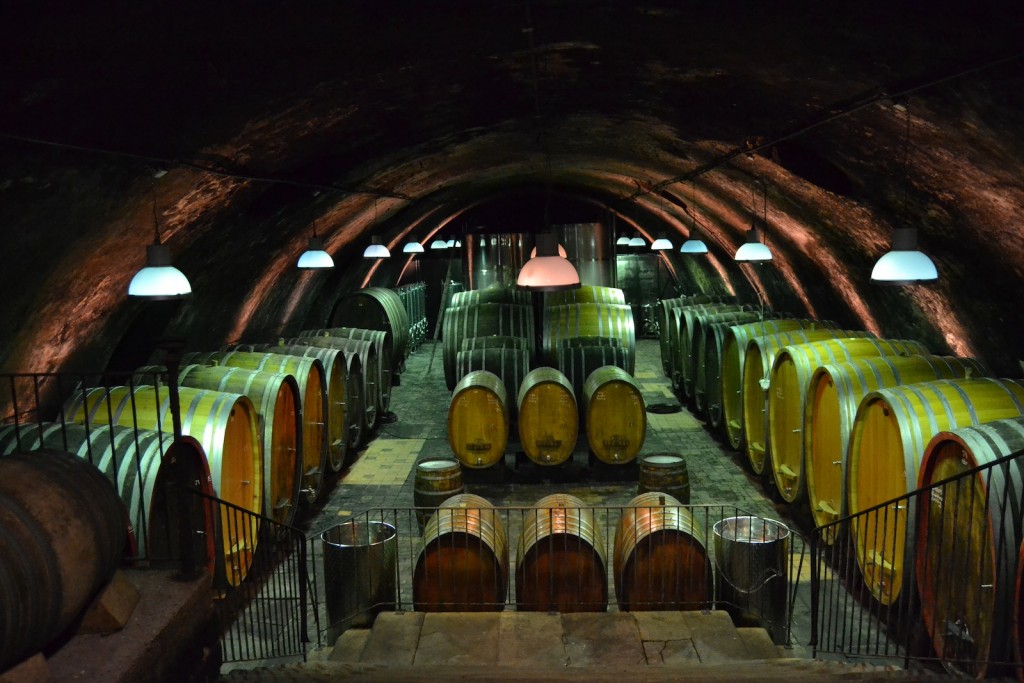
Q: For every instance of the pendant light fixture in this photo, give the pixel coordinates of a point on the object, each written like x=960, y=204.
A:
x=315, y=258
x=661, y=244
x=412, y=248
x=438, y=245
x=159, y=279
x=904, y=264
x=547, y=271
x=637, y=241
x=623, y=241
x=561, y=252
x=753, y=250
x=694, y=245
x=376, y=248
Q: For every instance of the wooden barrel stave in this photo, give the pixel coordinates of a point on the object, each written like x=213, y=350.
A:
x=483, y=320
x=588, y=320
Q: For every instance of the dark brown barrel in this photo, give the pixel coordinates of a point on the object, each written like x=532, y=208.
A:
x=969, y=538
x=509, y=363
x=478, y=420
x=492, y=295
x=62, y=533
x=585, y=294
x=313, y=387
x=664, y=473
x=734, y=355
x=482, y=320
x=790, y=376
x=227, y=427
x=589, y=320
x=377, y=308
x=376, y=387
x=436, y=480
x=561, y=560
x=707, y=371
x=834, y=392
x=615, y=415
x=577, y=362
x=548, y=417
x=660, y=560
x=139, y=465
x=890, y=433
x=462, y=565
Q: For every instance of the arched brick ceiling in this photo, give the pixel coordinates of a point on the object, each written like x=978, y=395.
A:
x=403, y=118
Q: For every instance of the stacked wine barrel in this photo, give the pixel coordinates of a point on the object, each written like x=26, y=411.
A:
x=414, y=299
x=377, y=308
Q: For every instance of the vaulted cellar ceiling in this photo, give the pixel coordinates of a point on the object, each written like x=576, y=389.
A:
x=403, y=119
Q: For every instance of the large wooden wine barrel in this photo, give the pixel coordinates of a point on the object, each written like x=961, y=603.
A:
x=890, y=432
x=665, y=318
x=492, y=295
x=689, y=324
x=790, y=377
x=276, y=398
x=482, y=320
x=478, y=421
x=968, y=542
x=660, y=560
x=316, y=403
x=589, y=320
x=462, y=565
x=548, y=417
x=709, y=333
x=226, y=425
x=734, y=355
x=376, y=376
x=615, y=414
x=62, y=532
x=561, y=558
x=435, y=481
x=511, y=364
x=343, y=371
x=414, y=299
x=585, y=294
x=833, y=394
x=382, y=339
x=757, y=367
x=141, y=466
x=376, y=308
x=664, y=473
x=577, y=362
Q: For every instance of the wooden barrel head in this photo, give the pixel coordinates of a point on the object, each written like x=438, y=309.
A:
x=548, y=417
x=616, y=416
x=478, y=420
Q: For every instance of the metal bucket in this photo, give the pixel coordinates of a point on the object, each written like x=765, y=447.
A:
x=751, y=560
x=360, y=571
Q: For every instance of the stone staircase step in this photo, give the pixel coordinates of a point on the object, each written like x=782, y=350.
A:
x=758, y=643
x=714, y=637
x=393, y=639
x=531, y=639
x=604, y=639
x=350, y=645
x=462, y=638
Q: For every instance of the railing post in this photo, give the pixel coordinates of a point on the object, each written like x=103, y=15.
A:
x=815, y=587
x=189, y=568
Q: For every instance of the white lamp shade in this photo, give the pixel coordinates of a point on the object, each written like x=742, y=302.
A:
x=315, y=258
x=661, y=244
x=637, y=241
x=548, y=274
x=376, y=249
x=561, y=252
x=450, y=244
x=693, y=246
x=439, y=244
x=622, y=241
x=412, y=248
x=753, y=250
x=904, y=264
x=159, y=279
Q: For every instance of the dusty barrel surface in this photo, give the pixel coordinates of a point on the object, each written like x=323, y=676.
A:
x=589, y=320
x=462, y=564
x=478, y=421
x=561, y=559
x=969, y=537
x=548, y=417
x=790, y=377
x=312, y=379
x=377, y=308
x=891, y=430
x=615, y=415
x=482, y=320
x=833, y=394
x=227, y=427
x=664, y=473
x=660, y=560
x=435, y=481
x=62, y=532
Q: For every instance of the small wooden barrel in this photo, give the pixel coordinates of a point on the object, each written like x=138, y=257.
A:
x=377, y=308
x=482, y=320
x=548, y=417
x=790, y=377
x=660, y=560
x=890, y=433
x=734, y=355
x=227, y=427
x=588, y=320
x=373, y=382
x=577, y=362
x=665, y=473
x=478, y=420
x=834, y=392
x=757, y=367
x=436, y=480
x=616, y=416
x=969, y=536
x=561, y=559
x=462, y=565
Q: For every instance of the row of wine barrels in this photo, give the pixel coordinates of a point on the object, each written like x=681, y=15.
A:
x=760, y=356
x=688, y=319
x=276, y=399
x=225, y=424
x=733, y=361
x=660, y=560
x=462, y=565
x=709, y=334
x=377, y=308
x=376, y=369
x=833, y=394
x=665, y=317
x=790, y=376
x=316, y=403
x=967, y=561
x=585, y=294
x=891, y=431
x=62, y=533
x=414, y=298
x=589, y=320
x=577, y=361
x=615, y=415
x=548, y=416
x=482, y=320
x=141, y=464
x=478, y=420
x=509, y=363
x=492, y=295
